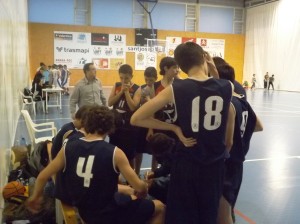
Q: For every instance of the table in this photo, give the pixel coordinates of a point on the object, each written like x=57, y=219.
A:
x=56, y=90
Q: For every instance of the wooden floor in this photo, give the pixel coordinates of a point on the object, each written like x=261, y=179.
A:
x=270, y=193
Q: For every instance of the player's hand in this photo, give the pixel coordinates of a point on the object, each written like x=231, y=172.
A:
x=187, y=142
x=149, y=134
x=125, y=87
x=142, y=194
x=150, y=182
x=211, y=66
x=34, y=204
x=149, y=175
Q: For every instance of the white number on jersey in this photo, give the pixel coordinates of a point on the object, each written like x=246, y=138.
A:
x=121, y=104
x=87, y=175
x=212, y=117
x=244, y=122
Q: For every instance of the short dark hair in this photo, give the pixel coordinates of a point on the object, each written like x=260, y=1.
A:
x=42, y=64
x=160, y=143
x=150, y=72
x=98, y=119
x=219, y=61
x=86, y=67
x=166, y=62
x=125, y=69
x=80, y=113
x=188, y=55
x=226, y=72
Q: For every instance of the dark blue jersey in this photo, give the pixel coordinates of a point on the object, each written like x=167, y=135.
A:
x=202, y=108
x=91, y=178
x=239, y=89
x=60, y=179
x=58, y=139
x=121, y=105
x=245, y=121
x=166, y=114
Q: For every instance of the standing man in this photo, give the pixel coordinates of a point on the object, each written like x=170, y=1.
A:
x=205, y=116
x=266, y=80
x=253, y=82
x=271, y=80
x=88, y=91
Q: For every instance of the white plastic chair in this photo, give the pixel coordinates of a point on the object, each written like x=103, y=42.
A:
x=27, y=100
x=34, y=128
x=38, y=100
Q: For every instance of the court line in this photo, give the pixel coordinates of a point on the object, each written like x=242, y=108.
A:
x=243, y=216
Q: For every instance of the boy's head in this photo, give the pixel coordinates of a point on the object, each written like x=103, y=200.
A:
x=189, y=55
x=219, y=61
x=226, y=72
x=150, y=75
x=98, y=120
x=79, y=115
x=125, y=73
x=160, y=144
x=166, y=64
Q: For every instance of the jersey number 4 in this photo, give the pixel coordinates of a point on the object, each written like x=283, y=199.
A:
x=212, y=117
x=87, y=175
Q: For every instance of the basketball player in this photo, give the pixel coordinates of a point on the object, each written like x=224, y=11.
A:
x=92, y=172
x=204, y=115
x=246, y=122
x=147, y=93
x=125, y=98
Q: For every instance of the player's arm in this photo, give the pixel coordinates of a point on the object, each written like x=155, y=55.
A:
x=122, y=164
x=144, y=116
x=113, y=97
x=230, y=127
x=74, y=99
x=258, y=125
x=34, y=202
x=135, y=101
x=211, y=66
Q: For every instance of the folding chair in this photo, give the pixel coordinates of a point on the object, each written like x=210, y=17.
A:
x=27, y=100
x=34, y=128
x=38, y=100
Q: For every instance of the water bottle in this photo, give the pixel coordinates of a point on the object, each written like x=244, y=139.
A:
x=23, y=141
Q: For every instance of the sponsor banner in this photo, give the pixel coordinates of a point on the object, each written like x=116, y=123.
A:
x=115, y=63
x=100, y=39
x=108, y=51
x=188, y=39
x=101, y=63
x=172, y=43
x=74, y=49
x=63, y=36
x=134, y=49
x=145, y=59
x=215, y=47
x=140, y=60
x=117, y=40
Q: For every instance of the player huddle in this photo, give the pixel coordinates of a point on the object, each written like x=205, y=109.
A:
x=207, y=126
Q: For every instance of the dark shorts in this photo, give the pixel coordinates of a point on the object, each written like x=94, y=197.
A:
x=232, y=181
x=194, y=191
x=159, y=188
x=126, y=140
x=133, y=212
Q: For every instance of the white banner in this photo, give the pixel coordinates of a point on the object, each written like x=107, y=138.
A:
x=215, y=47
x=74, y=49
